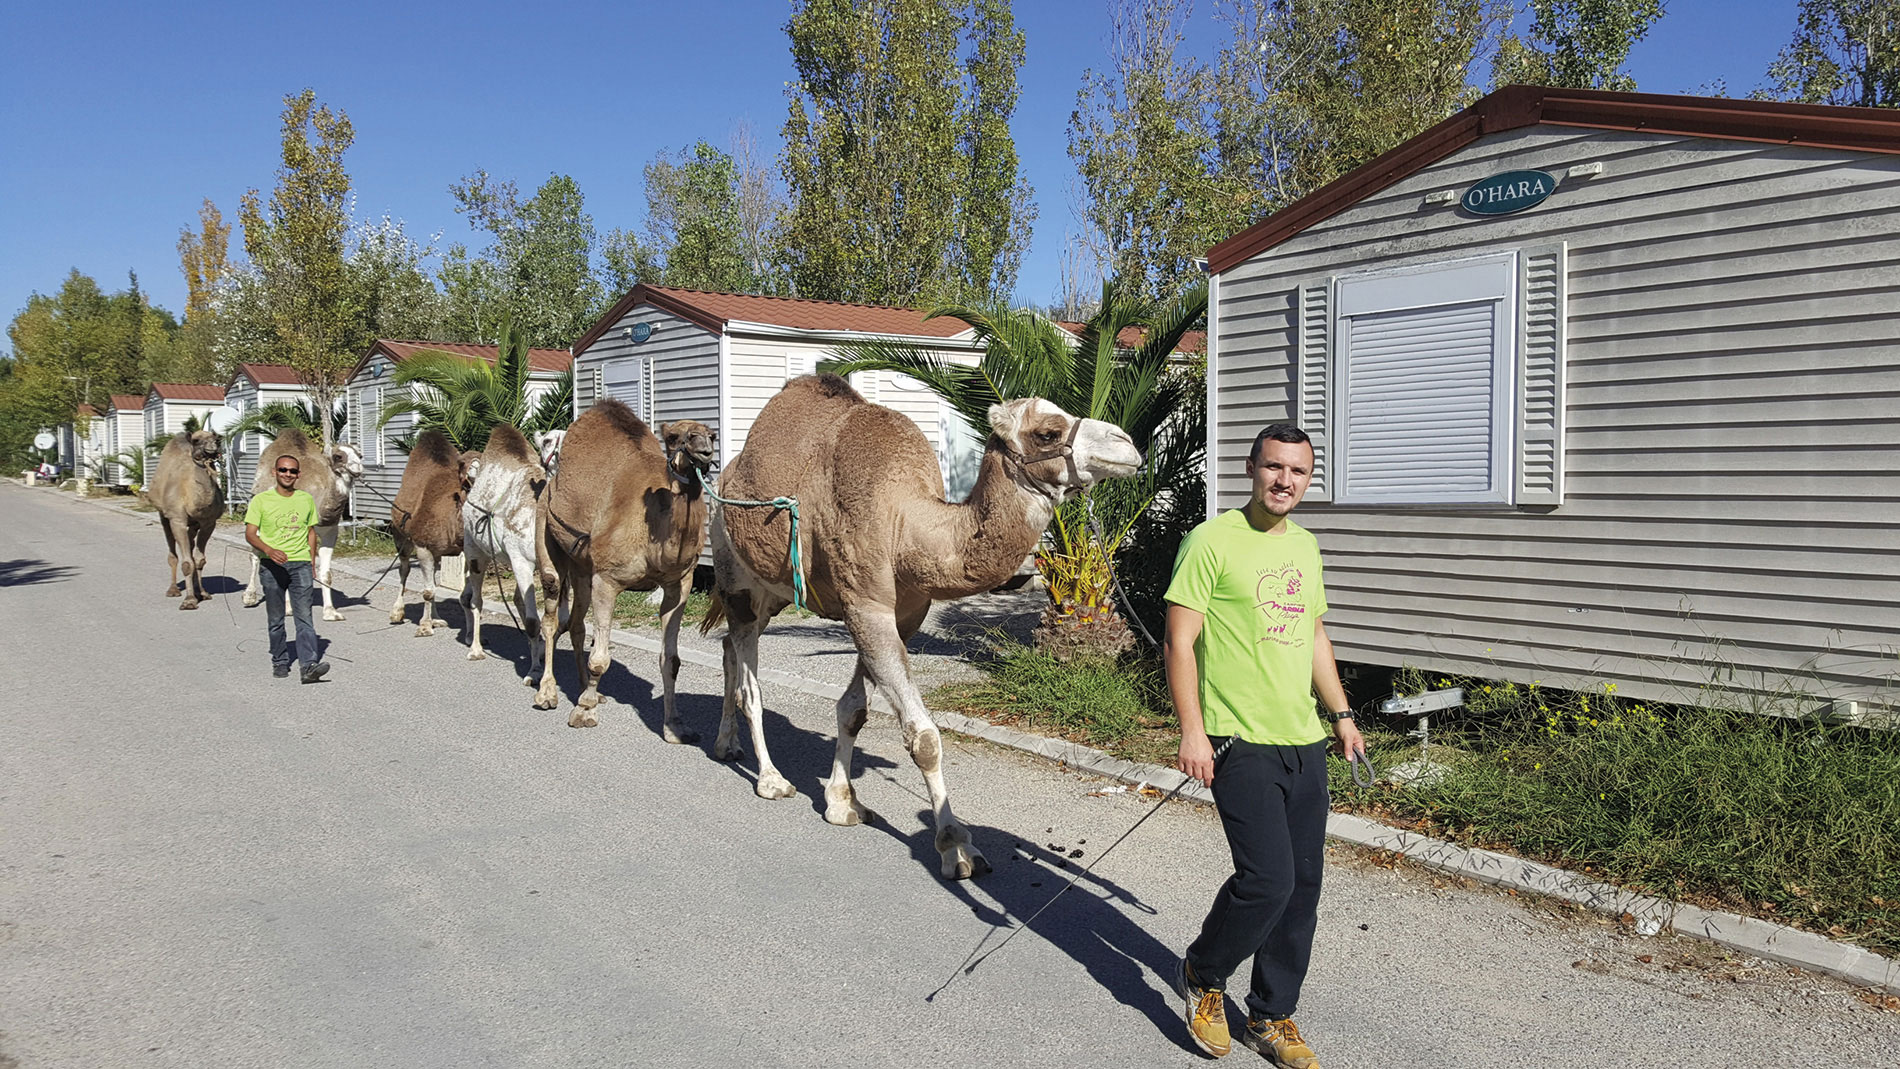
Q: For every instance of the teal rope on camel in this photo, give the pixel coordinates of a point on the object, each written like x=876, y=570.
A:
x=789, y=504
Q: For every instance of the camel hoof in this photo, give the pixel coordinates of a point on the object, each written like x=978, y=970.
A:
x=728, y=751
x=846, y=812
x=173, y=592
x=678, y=736
x=773, y=785
x=425, y=631
x=583, y=718
x=477, y=655
x=252, y=600
x=533, y=675
x=332, y=615
x=188, y=603
x=964, y=862
x=396, y=618
x=543, y=701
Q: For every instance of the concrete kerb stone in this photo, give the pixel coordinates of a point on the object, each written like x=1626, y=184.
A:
x=1763, y=939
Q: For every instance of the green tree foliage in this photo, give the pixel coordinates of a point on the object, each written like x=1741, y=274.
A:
x=1174, y=158
x=277, y=417
x=392, y=292
x=204, y=259
x=1843, y=52
x=81, y=344
x=296, y=242
x=1576, y=44
x=466, y=398
x=1025, y=354
x=696, y=231
x=899, y=165
x=537, y=271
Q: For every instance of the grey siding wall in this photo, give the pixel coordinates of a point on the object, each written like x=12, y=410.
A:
x=685, y=365
x=1731, y=517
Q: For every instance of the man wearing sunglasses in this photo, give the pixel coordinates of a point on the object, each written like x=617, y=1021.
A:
x=281, y=525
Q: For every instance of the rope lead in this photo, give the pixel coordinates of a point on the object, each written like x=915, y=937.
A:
x=789, y=504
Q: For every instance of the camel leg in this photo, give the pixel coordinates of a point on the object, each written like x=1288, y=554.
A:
x=471, y=600
x=425, y=563
x=582, y=586
x=744, y=625
x=326, y=548
x=881, y=650
x=553, y=592
x=396, y=611
x=671, y=609
x=184, y=551
x=523, y=565
x=200, y=541
x=841, y=801
x=171, y=552
x=253, y=590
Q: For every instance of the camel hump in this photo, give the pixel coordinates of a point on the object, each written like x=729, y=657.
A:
x=434, y=446
x=610, y=416
x=825, y=384
x=507, y=441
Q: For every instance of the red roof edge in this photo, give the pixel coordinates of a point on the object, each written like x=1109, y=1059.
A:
x=641, y=293
x=1514, y=106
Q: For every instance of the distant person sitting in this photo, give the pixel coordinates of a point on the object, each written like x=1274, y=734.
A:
x=47, y=473
x=281, y=524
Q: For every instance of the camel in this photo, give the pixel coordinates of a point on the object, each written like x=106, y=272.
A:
x=426, y=519
x=189, y=501
x=505, y=483
x=624, y=512
x=327, y=479
x=548, y=444
x=879, y=544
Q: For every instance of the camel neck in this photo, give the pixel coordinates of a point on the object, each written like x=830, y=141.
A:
x=982, y=542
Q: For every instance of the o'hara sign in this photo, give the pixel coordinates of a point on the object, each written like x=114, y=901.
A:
x=1512, y=191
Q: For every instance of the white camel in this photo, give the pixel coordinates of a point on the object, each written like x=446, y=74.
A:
x=498, y=532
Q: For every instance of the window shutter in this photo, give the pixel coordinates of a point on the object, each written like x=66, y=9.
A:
x=626, y=381
x=1540, y=374
x=865, y=382
x=798, y=363
x=1417, y=397
x=646, y=390
x=372, y=434
x=1312, y=329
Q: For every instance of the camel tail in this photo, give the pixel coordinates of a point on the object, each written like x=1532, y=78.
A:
x=715, y=613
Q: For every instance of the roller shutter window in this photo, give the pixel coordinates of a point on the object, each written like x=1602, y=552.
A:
x=372, y=429
x=1423, y=400
x=626, y=380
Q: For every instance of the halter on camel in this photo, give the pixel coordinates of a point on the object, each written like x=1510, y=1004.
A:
x=1066, y=451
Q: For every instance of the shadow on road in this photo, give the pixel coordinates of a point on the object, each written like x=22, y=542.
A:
x=27, y=572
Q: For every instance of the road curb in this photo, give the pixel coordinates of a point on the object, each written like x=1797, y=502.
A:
x=1763, y=939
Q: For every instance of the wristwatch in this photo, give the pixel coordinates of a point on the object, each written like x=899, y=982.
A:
x=1334, y=718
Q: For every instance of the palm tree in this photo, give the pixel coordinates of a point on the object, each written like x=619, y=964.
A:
x=466, y=398
x=1092, y=374
x=277, y=417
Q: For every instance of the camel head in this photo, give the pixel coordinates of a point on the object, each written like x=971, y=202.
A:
x=467, y=465
x=347, y=462
x=1056, y=454
x=689, y=447
x=207, y=447
x=548, y=445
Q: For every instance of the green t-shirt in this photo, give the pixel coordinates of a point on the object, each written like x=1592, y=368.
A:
x=283, y=522
x=1261, y=595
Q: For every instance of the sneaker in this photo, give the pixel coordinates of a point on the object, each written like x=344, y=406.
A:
x=315, y=671
x=1280, y=1043
x=1206, y=1012
x=280, y=671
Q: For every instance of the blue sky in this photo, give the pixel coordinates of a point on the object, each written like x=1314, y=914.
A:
x=116, y=119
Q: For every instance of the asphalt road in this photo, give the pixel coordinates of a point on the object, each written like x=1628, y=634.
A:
x=409, y=866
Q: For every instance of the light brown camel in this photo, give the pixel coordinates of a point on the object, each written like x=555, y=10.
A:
x=189, y=500
x=623, y=512
x=879, y=544
x=426, y=519
x=498, y=517
x=327, y=478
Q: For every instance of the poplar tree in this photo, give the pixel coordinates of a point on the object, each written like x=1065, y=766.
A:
x=295, y=242
x=1576, y=44
x=899, y=165
x=1843, y=52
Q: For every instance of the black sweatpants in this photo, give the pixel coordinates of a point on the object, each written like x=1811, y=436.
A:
x=1273, y=804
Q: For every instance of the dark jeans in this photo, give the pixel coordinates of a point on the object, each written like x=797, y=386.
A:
x=1273, y=805
x=293, y=577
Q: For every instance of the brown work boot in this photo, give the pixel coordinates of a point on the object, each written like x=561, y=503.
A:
x=1206, y=1012
x=1280, y=1043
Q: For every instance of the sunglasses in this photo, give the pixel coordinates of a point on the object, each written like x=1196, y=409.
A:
x=288, y=471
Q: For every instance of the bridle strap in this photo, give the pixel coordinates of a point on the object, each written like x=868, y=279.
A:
x=1065, y=451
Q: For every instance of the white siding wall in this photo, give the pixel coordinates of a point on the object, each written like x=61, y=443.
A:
x=1732, y=492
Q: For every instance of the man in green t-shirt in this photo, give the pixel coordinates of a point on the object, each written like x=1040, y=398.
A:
x=281, y=525
x=1245, y=652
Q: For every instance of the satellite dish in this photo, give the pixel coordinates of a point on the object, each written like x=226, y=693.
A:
x=43, y=440
x=222, y=419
